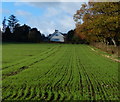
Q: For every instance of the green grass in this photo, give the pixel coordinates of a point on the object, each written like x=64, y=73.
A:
x=57, y=72
x=114, y=56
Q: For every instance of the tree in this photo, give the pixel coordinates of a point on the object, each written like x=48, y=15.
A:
x=78, y=17
x=100, y=21
x=34, y=35
x=70, y=35
x=21, y=33
x=43, y=37
x=15, y=32
x=6, y=36
x=12, y=21
x=4, y=24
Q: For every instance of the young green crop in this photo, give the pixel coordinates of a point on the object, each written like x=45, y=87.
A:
x=57, y=72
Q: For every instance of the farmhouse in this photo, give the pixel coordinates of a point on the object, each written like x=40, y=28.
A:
x=56, y=37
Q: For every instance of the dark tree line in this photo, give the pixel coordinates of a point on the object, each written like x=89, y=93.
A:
x=73, y=38
x=13, y=31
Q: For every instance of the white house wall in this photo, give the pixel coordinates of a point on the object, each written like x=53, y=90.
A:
x=59, y=38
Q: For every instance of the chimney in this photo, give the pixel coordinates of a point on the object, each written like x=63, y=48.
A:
x=56, y=31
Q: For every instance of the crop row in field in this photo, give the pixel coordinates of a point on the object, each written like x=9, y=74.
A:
x=62, y=72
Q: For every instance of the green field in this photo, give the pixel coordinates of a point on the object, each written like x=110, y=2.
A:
x=57, y=72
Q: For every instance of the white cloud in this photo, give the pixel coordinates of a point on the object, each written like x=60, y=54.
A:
x=50, y=12
x=22, y=13
x=16, y=3
x=55, y=16
x=44, y=4
x=70, y=8
x=5, y=11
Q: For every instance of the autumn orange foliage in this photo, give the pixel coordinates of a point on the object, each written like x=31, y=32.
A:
x=97, y=21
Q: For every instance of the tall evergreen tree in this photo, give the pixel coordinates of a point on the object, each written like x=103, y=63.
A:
x=12, y=21
x=4, y=24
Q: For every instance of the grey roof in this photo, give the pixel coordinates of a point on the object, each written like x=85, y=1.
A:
x=54, y=34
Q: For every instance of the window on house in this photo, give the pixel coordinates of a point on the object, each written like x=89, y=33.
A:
x=57, y=35
x=56, y=39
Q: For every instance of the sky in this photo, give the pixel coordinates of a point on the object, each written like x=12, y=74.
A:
x=45, y=16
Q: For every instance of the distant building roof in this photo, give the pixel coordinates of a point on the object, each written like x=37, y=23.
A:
x=56, y=32
x=57, y=36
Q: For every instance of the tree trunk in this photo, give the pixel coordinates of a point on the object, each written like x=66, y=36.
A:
x=114, y=42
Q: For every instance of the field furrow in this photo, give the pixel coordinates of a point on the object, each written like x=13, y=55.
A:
x=58, y=72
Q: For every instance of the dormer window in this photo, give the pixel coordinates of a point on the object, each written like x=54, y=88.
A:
x=57, y=35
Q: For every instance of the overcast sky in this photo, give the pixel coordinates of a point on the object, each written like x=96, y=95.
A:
x=46, y=16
